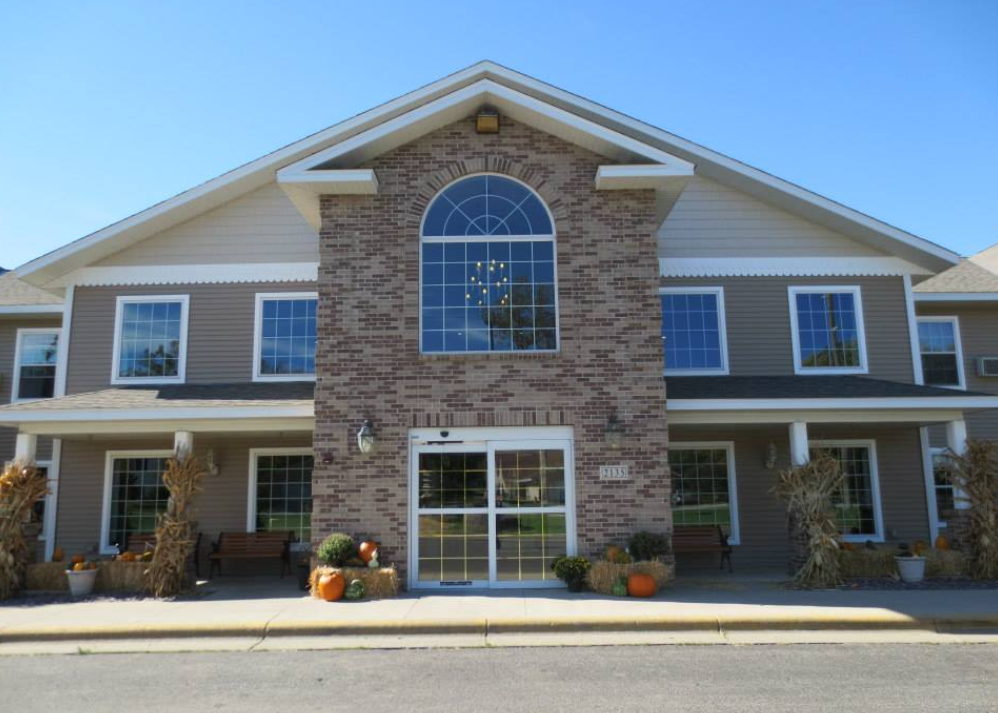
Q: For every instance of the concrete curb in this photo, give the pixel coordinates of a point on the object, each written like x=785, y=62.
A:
x=860, y=621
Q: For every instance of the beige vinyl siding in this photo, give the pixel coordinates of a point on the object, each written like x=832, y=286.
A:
x=222, y=507
x=979, y=338
x=8, y=345
x=713, y=220
x=219, y=338
x=762, y=516
x=757, y=312
x=262, y=226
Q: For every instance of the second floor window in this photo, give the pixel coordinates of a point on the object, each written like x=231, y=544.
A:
x=150, y=339
x=488, y=269
x=939, y=345
x=35, y=364
x=285, y=336
x=827, y=330
x=693, y=333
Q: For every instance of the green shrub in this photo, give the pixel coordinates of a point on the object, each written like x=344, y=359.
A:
x=645, y=546
x=336, y=549
x=572, y=571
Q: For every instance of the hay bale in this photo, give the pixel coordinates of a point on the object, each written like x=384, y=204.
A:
x=118, y=576
x=603, y=574
x=380, y=583
x=862, y=563
x=47, y=577
x=946, y=563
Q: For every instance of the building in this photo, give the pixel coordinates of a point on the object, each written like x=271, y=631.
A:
x=549, y=325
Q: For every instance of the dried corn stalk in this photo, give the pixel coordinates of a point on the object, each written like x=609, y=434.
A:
x=809, y=490
x=974, y=474
x=175, y=535
x=21, y=485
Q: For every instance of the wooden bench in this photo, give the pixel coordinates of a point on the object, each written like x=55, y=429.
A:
x=140, y=543
x=689, y=539
x=251, y=545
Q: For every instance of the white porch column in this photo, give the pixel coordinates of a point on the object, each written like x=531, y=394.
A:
x=956, y=440
x=52, y=499
x=183, y=443
x=799, y=453
x=26, y=447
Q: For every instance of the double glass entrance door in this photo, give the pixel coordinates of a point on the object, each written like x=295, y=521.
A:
x=495, y=514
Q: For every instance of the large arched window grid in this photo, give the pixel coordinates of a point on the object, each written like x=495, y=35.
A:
x=488, y=273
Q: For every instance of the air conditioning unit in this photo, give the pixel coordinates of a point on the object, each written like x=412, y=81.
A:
x=987, y=366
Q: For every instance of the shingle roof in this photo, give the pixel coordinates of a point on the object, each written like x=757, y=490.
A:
x=16, y=292
x=965, y=276
x=798, y=387
x=298, y=393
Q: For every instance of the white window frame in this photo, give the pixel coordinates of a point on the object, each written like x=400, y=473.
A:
x=722, y=327
x=856, y=292
x=16, y=377
x=181, y=376
x=258, y=334
x=553, y=237
x=878, y=515
x=734, y=535
x=105, y=526
x=955, y=321
x=251, y=485
x=933, y=452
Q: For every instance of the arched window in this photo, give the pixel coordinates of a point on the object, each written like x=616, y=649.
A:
x=488, y=269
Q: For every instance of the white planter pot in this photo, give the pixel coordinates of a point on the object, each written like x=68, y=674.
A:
x=911, y=569
x=81, y=583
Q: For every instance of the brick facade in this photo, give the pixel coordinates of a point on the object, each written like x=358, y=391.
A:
x=369, y=364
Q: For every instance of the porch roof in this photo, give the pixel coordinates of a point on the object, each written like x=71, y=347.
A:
x=800, y=387
x=129, y=409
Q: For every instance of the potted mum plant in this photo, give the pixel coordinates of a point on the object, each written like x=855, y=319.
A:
x=911, y=567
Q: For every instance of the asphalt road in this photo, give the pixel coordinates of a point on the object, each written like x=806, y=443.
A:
x=632, y=678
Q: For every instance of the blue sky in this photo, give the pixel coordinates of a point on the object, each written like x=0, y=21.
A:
x=109, y=107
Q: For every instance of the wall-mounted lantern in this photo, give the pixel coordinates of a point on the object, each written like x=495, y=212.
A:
x=365, y=437
x=210, y=464
x=614, y=433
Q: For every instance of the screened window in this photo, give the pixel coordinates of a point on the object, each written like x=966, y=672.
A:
x=828, y=330
x=35, y=364
x=488, y=269
x=939, y=344
x=284, y=494
x=151, y=339
x=286, y=336
x=856, y=503
x=693, y=336
x=137, y=496
x=703, y=491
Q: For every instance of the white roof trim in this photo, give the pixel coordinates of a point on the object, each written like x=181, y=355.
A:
x=785, y=266
x=956, y=296
x=201, y=274
x=305, y=187
x=837, y=404
x=641, y=176
x=711, y=164
x=31, y=309
x=26, y=415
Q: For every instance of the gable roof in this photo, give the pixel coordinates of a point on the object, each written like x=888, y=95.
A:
x=18, y=297
x=708, y=163
x=967, y=277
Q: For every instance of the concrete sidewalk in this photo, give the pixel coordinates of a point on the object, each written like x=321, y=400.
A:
x=251, y=610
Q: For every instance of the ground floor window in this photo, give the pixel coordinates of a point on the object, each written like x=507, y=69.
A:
x=281, y=492
x=703, y=486
x=134, y=495
x=944, y=488
x=857, y=505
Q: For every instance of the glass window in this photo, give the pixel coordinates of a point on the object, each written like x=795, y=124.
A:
x=693, y=331
x=150, y=339
x=287, y=336
x=138, y=496
x=36, y=363
x=494, y=290
x=945, y=497
x=702, y=487
x=829, y=330
x=938, y=342
x=284, y=494
x=854, y=505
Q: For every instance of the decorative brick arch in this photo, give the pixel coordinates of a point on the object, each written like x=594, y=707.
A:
x=487, y=164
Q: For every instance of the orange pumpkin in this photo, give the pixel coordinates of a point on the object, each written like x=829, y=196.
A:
x=78, y=559
x=942, y=543
x=127, y=557
x=57, y=554
x=612, y=553
x=79, y=566
x=641, y=585
x=367, y=550
x=331, y=586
